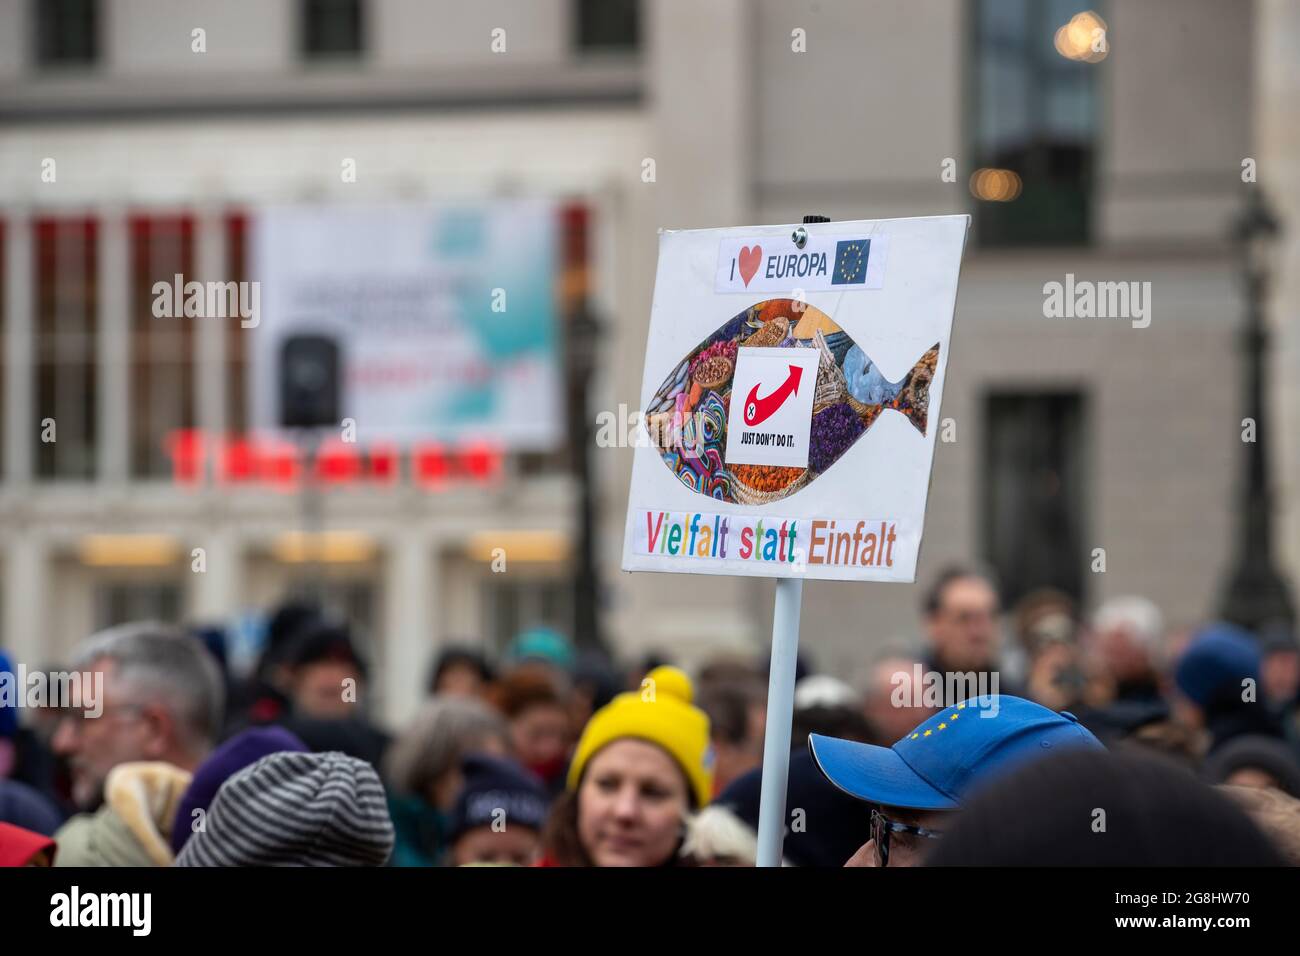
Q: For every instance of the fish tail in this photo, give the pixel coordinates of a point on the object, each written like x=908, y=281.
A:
x=912, y=392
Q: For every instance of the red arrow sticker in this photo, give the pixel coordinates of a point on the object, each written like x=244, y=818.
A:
x=759, y=410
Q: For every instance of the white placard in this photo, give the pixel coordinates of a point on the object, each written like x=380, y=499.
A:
x=841, y=363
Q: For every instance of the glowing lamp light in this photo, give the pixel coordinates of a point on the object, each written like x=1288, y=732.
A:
x=326, y=547
x=524, y=546
x=128, y=550
x=995, y=185
x=1084, y=39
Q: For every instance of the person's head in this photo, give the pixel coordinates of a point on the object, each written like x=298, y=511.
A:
x=1044, y=616
x=324, y=675
x=531, y=700
x=915, y=785
x=961, y=620
x=831, y=825
x=20, y=847
x=8, y=709
x=1126, y=637
x=460, y=671
x=830, y=720
x=1092, y=808
x=162, y=701
x=1215, y=674
x=24, y=806
x=286, y=622
x=1280, y=668
x=737, y=712
x=498, y=815
x=595, y=682
x=892, y=697
x=424, y=761
x=827, y=705
x=1277, y=815
x=232, y=756
x=641, y=765
x=1254, y=760
x=323, y=809
x=541, y=645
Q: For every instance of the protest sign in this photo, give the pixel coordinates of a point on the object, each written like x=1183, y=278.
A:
x=790, y=400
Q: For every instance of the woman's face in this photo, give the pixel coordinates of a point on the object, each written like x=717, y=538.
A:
x=631, y=805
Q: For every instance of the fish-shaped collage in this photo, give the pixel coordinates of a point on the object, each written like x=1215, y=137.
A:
x=687, y=418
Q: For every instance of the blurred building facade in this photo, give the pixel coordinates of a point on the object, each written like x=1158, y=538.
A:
x=1070, y=435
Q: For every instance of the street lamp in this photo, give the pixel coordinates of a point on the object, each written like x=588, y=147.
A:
x=1256, y=596
x=582, y=339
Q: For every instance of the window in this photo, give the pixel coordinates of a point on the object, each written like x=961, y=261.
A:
x=1035, y=114
x=65, y=337
x=1033, y=501
x=162, y=347
x=67, y=32
x=122, y=602
x=512, y=607
x=331, y=28
x=608, y=25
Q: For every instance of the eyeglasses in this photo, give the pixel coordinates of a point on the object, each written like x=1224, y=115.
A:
x=76, y=717
x=882, y=827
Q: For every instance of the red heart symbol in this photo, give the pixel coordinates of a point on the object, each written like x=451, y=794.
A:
x=749, y=260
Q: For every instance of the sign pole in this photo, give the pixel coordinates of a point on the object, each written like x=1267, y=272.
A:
x=780, y=714
x=780, y=700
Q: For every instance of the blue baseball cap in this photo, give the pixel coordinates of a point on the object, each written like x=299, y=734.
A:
x=938, y=764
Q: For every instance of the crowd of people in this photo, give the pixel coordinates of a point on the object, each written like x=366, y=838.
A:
x=1099, y=739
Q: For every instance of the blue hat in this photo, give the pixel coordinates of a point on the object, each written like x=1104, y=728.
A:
x=942, y=760
x=496, y=788
x=541, y=644
x=1218, y=658
x=8, y=713
x=26, y=807
x=240, y=751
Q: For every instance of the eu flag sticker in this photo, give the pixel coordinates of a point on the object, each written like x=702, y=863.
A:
x=851, y=262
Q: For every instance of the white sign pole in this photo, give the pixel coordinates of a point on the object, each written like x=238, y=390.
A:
x=780, y=713
x=780, y=709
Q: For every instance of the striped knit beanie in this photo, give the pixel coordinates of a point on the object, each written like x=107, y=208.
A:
x=296, y=809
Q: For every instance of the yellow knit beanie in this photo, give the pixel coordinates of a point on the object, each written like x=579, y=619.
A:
x=661, y=713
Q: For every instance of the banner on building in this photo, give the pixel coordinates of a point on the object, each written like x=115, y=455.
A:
x=444, y=315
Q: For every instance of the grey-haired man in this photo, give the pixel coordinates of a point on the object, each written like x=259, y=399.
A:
x=162, y=700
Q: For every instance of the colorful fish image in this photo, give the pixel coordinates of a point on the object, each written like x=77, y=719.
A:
x=687, y=418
